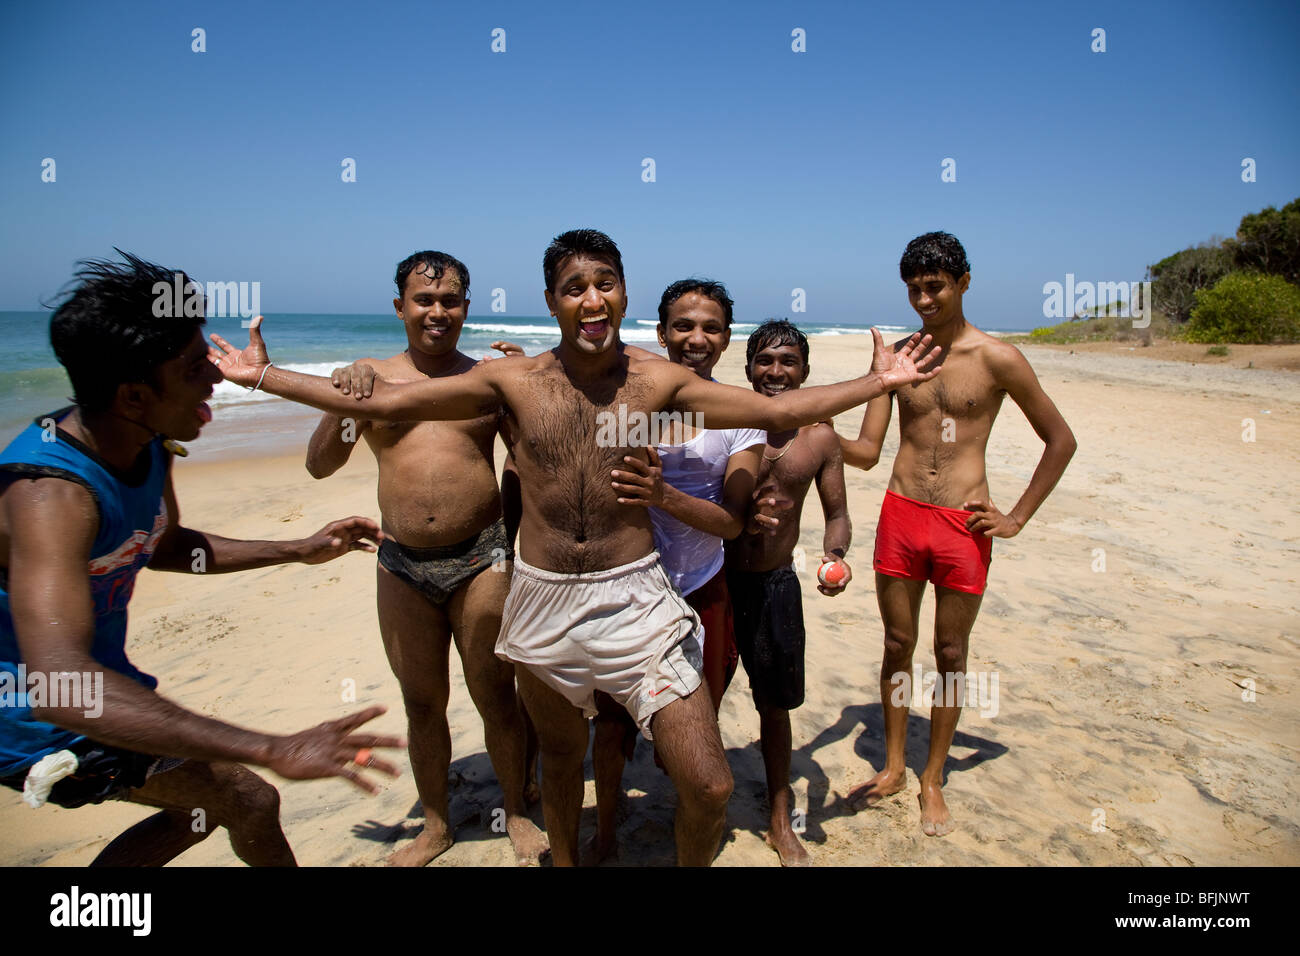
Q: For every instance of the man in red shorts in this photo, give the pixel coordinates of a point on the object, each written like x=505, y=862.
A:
x=938, y=520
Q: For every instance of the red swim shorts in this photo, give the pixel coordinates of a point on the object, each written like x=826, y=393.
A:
x=925, y=542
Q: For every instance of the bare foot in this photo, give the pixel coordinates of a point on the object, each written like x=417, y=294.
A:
x=425, y=847
x=935, y=819
x=530, y=844
x=788, y=847
x=876, y=789
x=596, y=851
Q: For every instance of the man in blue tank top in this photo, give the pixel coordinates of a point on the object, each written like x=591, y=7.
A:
x=86, y=501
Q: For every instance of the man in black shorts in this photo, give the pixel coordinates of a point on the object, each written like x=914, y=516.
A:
x=765, y=594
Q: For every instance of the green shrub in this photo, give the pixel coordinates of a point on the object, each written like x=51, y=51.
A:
x=1219, y=350
x=1246, y=307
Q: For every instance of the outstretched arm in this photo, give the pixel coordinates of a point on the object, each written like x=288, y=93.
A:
x=52, y=524
x=184, y=549
x=431, y=399
x=1013, y=372
x=726, y=406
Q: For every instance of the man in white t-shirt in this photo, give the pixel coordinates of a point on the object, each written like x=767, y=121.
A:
x=698, y=487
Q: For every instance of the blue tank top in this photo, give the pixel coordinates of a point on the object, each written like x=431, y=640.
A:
x=131, y=518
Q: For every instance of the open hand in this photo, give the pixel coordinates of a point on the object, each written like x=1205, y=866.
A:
x=644, y=484
x=338, y=538
x=986, y=518
x=331, y=749
x=243, y=367
x=911, y=363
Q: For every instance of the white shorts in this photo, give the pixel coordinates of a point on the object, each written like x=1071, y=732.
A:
x=625, y=631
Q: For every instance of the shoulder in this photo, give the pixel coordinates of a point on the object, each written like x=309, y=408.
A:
x=50, y=504
x=1003, y=359
x=638, y=354
x=740, y=439
x=821, y=435
x=385, y=365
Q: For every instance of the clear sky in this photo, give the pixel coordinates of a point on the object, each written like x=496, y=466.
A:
x=774, y=169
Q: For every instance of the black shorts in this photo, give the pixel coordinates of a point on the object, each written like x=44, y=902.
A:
x=103, y=773
x=768, y=609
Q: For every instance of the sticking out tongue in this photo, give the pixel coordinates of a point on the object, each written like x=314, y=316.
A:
x=594, y=328
x=205, y=412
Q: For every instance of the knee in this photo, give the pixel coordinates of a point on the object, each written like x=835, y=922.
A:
x=709, y=792
x=251, y=798
x=899, y=646
x=424, y=708
x=950, y=658
x=564, y=749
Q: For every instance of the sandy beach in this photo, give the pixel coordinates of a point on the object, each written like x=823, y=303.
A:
x=1142, y=631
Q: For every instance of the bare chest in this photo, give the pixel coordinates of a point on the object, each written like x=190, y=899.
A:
x=965, y=389
x=788, y=469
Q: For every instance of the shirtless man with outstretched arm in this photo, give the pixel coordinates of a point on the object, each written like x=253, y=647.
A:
x=590, y=608
x=443, y=529
x=938, y=519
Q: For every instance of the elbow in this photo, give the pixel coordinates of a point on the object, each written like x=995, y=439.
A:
x=317, y=469
x=857, y=457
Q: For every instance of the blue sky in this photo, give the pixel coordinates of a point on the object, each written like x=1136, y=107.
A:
x=775, y=170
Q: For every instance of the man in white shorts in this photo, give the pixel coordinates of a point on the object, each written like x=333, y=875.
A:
x=560, y=406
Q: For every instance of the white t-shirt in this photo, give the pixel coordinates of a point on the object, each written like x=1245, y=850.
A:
x=697, y=467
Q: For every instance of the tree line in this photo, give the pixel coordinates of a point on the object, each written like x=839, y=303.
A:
x=1242, y=289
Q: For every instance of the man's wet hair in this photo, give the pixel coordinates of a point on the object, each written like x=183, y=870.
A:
x=433, y=264
x=774, y=333
x=705, y=287
x=933, y=252
x=105, y=332
x=579, y=242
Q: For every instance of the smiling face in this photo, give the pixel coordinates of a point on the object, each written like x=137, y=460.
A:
x=936, y=297
x=589, y=302
x=176, y=404
x=777, y=369
x=695, y=333
x=433, y=310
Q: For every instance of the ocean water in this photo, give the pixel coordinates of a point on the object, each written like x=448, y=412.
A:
x=32, y=382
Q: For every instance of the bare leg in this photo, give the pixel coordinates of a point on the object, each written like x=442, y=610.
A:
x=954, y=617
x=615, y=741
x=416, y=637
x=532, y=790
x=475, y=613
x=228, y=795
x=900, y=608
x=774, y=736
x=687, y=739
x=562, y=736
